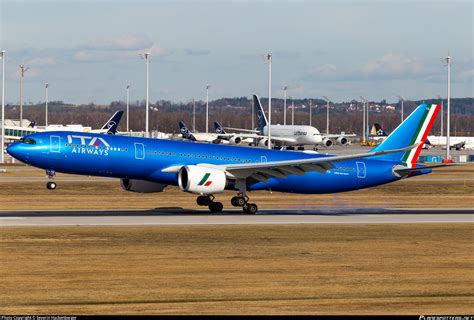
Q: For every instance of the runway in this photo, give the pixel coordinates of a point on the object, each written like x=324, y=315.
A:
x=178, y=216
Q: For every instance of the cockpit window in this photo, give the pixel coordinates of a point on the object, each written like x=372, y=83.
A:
x=28, y=140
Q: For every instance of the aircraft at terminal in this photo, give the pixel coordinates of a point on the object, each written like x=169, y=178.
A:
x=15, y=131
x=149, y=165
x=291, y=135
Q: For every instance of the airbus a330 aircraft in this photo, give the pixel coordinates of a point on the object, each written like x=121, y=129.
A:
x=149, y=165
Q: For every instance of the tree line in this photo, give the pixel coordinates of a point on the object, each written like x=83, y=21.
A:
x=236, y=112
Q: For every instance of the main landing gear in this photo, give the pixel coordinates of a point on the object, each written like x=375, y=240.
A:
x=242, y=200
x=214, y=207
x=51, y=185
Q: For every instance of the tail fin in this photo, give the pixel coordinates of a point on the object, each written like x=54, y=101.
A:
x=219, y=129
x=414, y=130
x=261, y=119
x=113, y=123
x=378, y=131
x=31, y=125
x=185, y=132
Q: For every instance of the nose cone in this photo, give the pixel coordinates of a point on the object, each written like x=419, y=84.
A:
x=15, y=150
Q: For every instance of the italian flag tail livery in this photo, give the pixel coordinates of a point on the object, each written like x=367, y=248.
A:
x=414, y=130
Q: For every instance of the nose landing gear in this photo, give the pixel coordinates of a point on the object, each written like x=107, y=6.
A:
x=208, y=200
x=51, y=185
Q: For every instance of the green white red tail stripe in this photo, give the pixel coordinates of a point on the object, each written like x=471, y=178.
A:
x=421, y=133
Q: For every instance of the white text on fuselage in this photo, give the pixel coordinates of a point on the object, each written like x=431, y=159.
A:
x=88, y=145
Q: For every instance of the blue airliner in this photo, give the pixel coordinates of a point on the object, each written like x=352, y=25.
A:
x=149, y=165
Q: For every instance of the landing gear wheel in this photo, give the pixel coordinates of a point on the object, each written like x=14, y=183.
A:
x=51, y=185
x=300, y=148
x=216, y=207
x=250, y=208
x=204, y=200
x=238, y=201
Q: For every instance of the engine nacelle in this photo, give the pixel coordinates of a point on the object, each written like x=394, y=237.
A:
x=342, y=140
x=263, y=143
x=235, y=140
x=327, y=142
x=141, y=186
x=201, y=180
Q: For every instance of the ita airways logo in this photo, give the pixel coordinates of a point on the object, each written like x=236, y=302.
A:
x=205, y=180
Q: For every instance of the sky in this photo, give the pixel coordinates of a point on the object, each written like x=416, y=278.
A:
x=89, y=51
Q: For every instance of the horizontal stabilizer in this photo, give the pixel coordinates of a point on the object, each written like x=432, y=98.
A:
x=404, y=171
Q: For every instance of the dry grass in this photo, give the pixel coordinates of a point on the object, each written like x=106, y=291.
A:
x=297, y=269
x=416, y=192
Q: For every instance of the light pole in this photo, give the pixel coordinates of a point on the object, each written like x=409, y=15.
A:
x=327, y=114
x=442, y=120
x=310, y=112
x=207, y=108
x=46, y=86
x=128, y=108
x=2, y=156
x=23, y=69
x=448, y=129
x=363, y=121
x=194, y=116
x=284, y=104
x=146, y=56
x=253, y=112
x=269, y=59
x=401, y=100
x=292, y=111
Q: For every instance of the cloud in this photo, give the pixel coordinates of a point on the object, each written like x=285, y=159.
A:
x=197, y=52
x=123, y=42
x=387, y=67
x=325, y=70
x=45, y=61
x=466, y=76
x=393, y=65
x=286, y=54
x=119, y=49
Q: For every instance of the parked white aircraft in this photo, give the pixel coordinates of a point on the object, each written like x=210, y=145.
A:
x=291, y=135
x=14, y=131
x=458, y=143
x=220, y=135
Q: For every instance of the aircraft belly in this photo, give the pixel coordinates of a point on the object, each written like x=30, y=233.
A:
x=320, y=183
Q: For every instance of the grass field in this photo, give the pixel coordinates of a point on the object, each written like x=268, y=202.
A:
x=298, y=269
x=292, y=269
x=447, y=187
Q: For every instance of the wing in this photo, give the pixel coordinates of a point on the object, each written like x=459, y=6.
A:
x=229, y=136
x=281, y=139
x=335, y=136
x=262, y=171
x=242, y=130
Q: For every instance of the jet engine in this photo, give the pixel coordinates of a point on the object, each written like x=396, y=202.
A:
x=141, y=186
x=327, y=142
x=341, y=140
x=201, y=180
x=263, y=143
x=235, y=140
